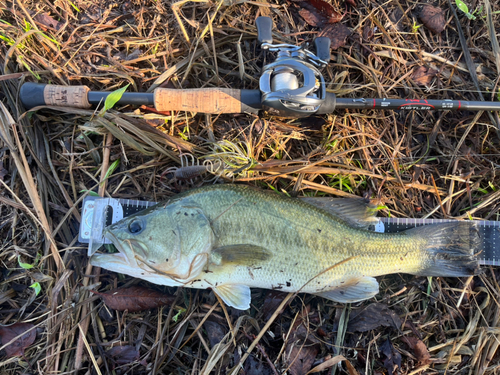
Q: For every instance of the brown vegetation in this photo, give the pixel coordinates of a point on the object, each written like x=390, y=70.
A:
x=418, y=164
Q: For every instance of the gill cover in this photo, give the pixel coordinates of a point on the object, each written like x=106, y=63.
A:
x=172, y=240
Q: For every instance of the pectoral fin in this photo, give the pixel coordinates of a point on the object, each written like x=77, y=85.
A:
x=241, y=254
x=234, y=295
x=353, y=290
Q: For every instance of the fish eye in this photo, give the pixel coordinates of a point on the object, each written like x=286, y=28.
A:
x=135, y=226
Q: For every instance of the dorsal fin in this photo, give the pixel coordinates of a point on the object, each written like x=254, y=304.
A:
x=357, y=212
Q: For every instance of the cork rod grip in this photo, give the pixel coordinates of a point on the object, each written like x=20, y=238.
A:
x=208, y=100
x=67, y=96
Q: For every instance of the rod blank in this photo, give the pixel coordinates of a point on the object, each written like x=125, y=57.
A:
x=217, y=100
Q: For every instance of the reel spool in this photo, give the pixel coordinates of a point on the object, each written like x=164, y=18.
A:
x=292, y=85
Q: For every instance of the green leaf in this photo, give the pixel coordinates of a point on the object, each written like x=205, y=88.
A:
x=26, y=266
x=111, y=169
x=91, y=193
x=37, y=287
x=113, y=98
x=74, y=6
x=176, y=317
x=464, y=8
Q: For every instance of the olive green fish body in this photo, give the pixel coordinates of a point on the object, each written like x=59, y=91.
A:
x=251, y=238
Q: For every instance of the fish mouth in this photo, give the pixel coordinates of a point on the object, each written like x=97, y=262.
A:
x=126, y=260
x=130, y=248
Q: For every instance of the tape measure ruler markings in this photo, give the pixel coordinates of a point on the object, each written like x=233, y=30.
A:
x=97, y=213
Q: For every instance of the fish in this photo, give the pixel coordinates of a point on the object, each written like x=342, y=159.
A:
x=230, y=238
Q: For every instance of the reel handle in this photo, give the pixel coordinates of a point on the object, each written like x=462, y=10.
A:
x=322, y=46
x=264, y=29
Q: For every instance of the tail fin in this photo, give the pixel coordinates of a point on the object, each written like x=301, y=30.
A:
x=451, y=249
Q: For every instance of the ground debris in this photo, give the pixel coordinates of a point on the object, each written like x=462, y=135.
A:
x=337, y=33
x=123, y=355
x=27, y=336
x=419, y=349
x=423, y=75
x=373, y=316
x=319, y=13
x=302, y=346
x=433, y=18
x=380, y=50
x=135, y=298
x=392, y=360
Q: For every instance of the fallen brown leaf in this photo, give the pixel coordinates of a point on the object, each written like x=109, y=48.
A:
x=135, y=298
x=302, y=357
x=272, y=300
x=433, y=18
x=7, y=333
x=419, y=350
x=46, y=20
x=319, y=13
x=423, y=76
x=333, y=361
x=372, y=317
x=392, y=361
x=337, y=34
x=395, y=18
x=302, y=347
x=368, y=32
x=255, y=367
x=3, y=171
x=122, y=355
x=215, y=332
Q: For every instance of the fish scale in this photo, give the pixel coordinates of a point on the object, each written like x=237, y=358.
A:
x=262, y=239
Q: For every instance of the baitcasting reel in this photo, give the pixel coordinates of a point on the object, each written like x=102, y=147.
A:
x=292, y=85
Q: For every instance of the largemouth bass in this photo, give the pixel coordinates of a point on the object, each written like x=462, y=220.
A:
x=231, y=238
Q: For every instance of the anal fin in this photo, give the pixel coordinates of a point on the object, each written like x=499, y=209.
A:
x=234, y=295
x=354, y=289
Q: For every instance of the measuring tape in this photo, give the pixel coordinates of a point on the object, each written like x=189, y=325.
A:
x=100, y=212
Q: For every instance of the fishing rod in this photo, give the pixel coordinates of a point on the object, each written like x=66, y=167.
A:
x=290, y=86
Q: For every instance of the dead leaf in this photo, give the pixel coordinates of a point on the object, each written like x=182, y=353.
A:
x=302, y=357
x=7, y=295
x=372, y=317
x=3, y=171
x=135, y=298
x=122, y=355
x=337, y=34
x=352, y=3
x=368, y=32
x=419, y=350
x=48, y=21
x=333, y=361
x=302, y=346
x=255, y=367
x=215, y=332
x=7, y=333
x=272, y=300
x=392, y=361
x=395, y=20
x=433, y=18
x=319, y=13
x=423, y=76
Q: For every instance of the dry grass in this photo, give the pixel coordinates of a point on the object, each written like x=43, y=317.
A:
x=419, y=164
